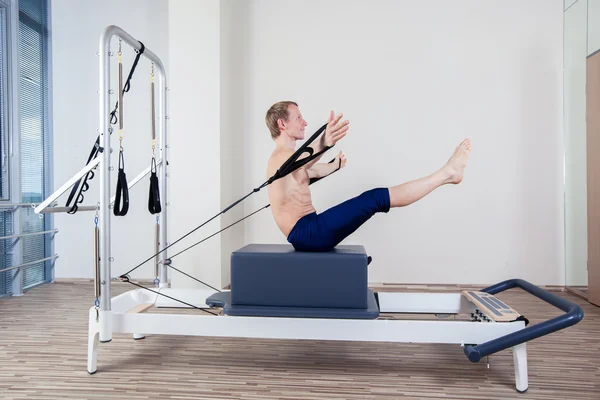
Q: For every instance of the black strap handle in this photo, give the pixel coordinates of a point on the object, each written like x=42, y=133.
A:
x=154, y=194
x=122, y=190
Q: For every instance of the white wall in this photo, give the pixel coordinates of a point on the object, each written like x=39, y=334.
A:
x=76, y=29
x=575, y=44
x=194, y=126
x=582, y=39
x=415, y=78
x=569, y=3
x=593, y=26
x=232, y=54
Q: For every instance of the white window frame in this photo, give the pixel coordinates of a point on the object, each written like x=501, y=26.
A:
x=12, y=130
x=8, y=63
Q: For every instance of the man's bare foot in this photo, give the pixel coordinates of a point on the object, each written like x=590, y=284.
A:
x=458, y=161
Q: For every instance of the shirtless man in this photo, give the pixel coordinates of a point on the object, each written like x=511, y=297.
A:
x=290, y=197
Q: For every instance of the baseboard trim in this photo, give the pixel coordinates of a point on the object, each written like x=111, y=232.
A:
x=576, y=292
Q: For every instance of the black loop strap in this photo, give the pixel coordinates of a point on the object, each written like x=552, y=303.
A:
x=113, y=114
x=135, y=62
x=292, y=163
x=83, y=181
x=299, y=163
x=287, y=166
x=122, y=189
x=154, y=193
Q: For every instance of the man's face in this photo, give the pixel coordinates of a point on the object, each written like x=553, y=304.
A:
x=295, y=124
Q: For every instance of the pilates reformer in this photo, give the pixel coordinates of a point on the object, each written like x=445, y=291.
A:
x=279, y=293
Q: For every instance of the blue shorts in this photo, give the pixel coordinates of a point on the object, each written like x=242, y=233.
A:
x=322, y=232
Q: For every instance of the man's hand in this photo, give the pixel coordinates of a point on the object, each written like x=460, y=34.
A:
x=339, y=161
x=335, y=129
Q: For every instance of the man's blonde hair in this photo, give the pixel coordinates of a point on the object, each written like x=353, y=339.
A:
x=277, y=111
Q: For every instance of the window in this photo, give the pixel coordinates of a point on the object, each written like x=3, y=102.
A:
x=6, y=226
x=34, y=95
x=30, y=181
x=4, y=181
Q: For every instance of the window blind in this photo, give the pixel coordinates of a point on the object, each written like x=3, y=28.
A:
x=4, y=126
x=5, y=217
x=34, y=81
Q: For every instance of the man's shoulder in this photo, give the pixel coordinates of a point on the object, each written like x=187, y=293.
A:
x=279, y=156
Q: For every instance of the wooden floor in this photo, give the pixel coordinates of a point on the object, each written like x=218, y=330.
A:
x=43, y=355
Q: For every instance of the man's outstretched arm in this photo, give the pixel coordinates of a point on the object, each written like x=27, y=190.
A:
x=323, y=169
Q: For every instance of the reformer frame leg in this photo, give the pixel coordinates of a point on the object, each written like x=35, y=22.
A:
x=520, y=361
x=93, y=341
x=138, y=336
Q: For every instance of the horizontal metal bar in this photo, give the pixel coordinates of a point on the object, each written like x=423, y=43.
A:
x=131, y=41
x=66, y=209
x=28, y=234
x=137, y=179
x=29, y=264
x=67, y=185
x=16, y=205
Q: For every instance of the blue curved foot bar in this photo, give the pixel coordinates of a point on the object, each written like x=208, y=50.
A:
x=573, y=315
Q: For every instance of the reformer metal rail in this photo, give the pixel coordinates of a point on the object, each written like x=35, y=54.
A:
x=573, y=315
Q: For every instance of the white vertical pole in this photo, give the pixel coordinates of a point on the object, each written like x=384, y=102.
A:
x=162, y=115
x=104, y=212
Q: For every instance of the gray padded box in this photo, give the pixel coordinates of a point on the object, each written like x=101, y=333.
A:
x=278, y=275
